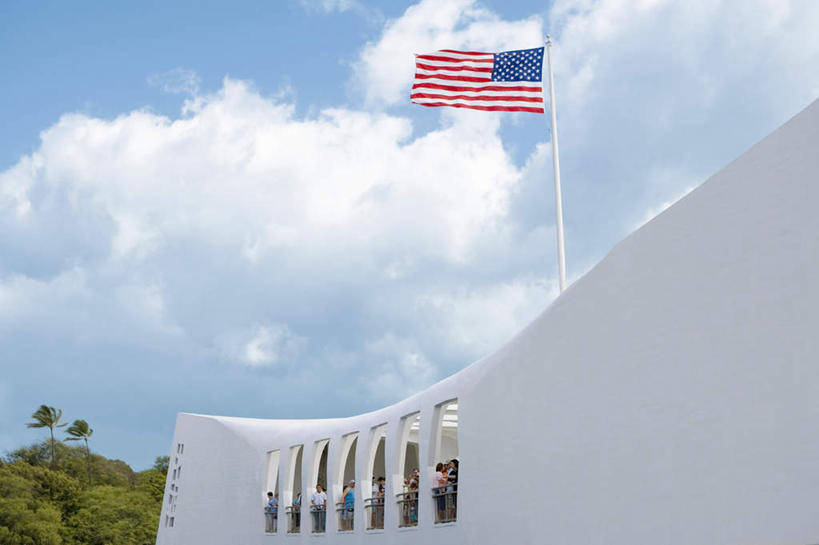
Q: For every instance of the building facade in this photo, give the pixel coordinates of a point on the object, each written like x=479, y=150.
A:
x=670, y=395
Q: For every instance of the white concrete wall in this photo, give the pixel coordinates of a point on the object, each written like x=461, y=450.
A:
x=669, y=396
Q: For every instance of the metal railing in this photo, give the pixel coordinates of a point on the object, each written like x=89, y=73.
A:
x=445, y=500
x=271, y=521
x=293, y=515
x=374, y=509
x=319, y=515
x=407, y=509
x=345, y=515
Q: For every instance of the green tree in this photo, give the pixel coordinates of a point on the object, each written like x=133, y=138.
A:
x=73, y=461
x=41, y=506
x=152, y=481
x=80, y=430
x=47, y=417
x=24, y=518
x=162, y=463
x=62, y=490
x=115, y=516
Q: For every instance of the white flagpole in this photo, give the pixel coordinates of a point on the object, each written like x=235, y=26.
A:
x=561, y=252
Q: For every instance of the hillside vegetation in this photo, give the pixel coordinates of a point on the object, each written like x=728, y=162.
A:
x=52, y=493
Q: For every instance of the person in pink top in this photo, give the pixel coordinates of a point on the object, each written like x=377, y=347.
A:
x=439, y=483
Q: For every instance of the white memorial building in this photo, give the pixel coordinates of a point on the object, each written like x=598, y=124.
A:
x=669, y=396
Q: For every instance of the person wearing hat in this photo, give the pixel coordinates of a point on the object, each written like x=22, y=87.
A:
x=348, y=512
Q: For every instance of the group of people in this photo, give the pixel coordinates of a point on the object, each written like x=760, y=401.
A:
x=271, y=514
x=445, y=490
x=409, y=499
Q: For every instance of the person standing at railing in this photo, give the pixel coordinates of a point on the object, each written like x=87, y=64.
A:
x=318, y=503
x=297, y=511
x=342, y=511
x=452, y=472
x=452, y=477
x=271, y=513
x=379, y=502
x=413, y=498
x=375, y=494
x=439, y=484
x=348, y=513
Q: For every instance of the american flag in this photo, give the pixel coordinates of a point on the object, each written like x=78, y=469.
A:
x=510, y=81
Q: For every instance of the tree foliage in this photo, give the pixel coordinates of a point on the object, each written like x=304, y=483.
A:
x=115, y=515
x=41, y=505
x=80, y=430
x=26, y=519
x=47, y=417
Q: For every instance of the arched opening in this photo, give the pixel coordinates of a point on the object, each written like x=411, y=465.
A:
x=346, y=483
x=376, y=473
x=293, y=493
x=445, y=462
x=271, y=493
x=318, y=498
x=408, y=464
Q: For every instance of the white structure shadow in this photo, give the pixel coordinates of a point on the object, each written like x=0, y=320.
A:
x=670, y=396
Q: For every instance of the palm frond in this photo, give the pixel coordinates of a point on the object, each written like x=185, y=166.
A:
x=79, y=430
x=45, y=417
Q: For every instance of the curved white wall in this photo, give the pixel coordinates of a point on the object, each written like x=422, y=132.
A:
x=669, y=396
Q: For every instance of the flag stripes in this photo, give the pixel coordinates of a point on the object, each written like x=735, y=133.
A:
x=508, y=82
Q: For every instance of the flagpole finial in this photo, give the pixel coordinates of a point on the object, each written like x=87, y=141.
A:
x=548, y=40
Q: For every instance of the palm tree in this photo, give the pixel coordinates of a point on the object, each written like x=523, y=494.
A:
x=47, y=417
x=80, y=430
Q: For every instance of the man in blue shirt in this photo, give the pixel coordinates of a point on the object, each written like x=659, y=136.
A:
x=349, y=503
x=271, y=513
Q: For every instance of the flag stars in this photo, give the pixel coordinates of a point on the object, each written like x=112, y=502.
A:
x=524, y=65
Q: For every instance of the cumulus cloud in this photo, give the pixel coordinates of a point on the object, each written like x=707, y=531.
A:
x=710, y=46
x=255, y=253
x=487, y=317
x=655, y=96
x=232, y=227
x=402, y=368
x=262, y=345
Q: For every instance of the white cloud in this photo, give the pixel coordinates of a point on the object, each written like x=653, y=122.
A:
x=486, y=318
x=403, y=369
x=270, y=345
x=239, y=230
x=614, y=45
x=239, y=212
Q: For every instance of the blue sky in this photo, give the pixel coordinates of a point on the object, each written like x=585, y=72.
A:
x=235, y=209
